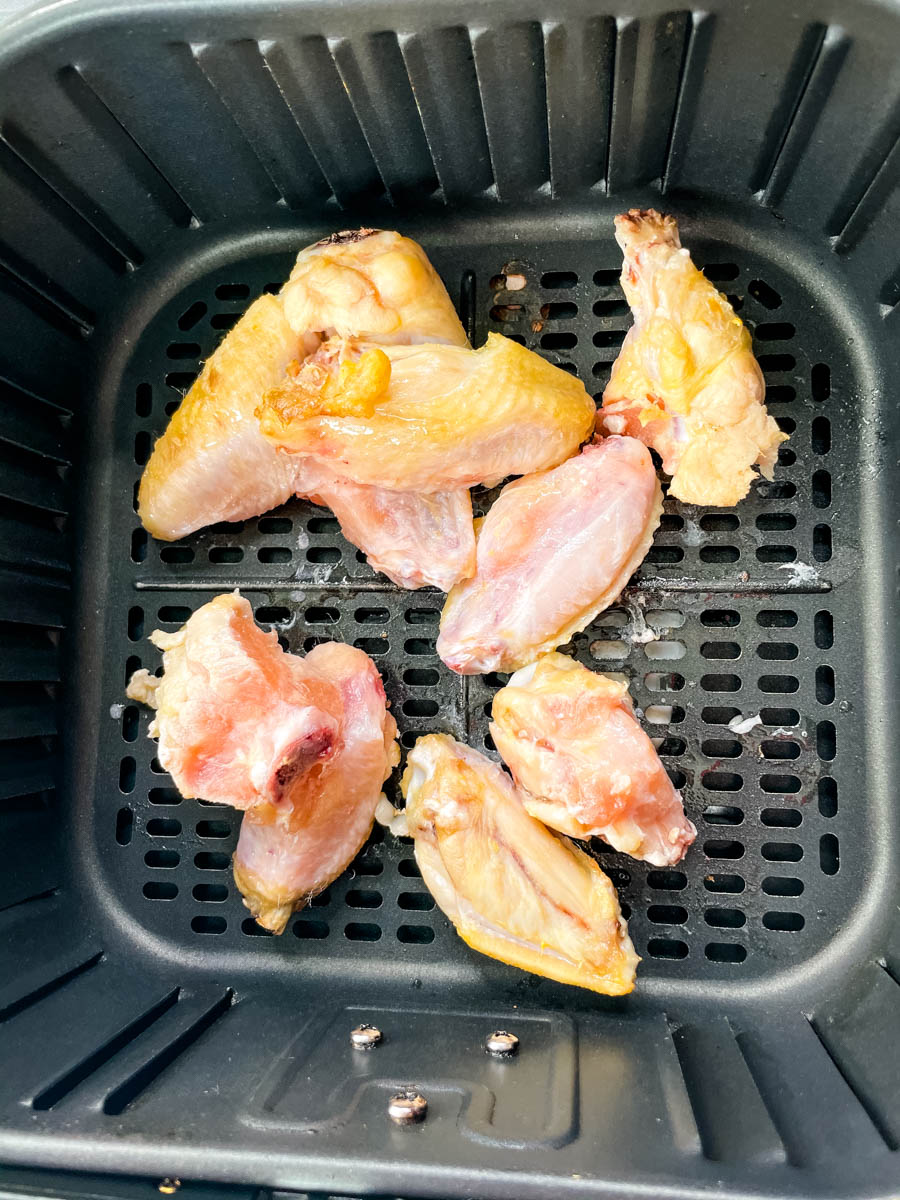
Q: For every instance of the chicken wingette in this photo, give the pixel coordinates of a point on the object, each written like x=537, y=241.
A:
x=512, y=889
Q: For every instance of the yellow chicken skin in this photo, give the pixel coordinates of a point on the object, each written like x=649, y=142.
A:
x=212, y=464
x=512, y=889
x=583, y=763
x=371, y=284
x=686, y=382
x=444, y=417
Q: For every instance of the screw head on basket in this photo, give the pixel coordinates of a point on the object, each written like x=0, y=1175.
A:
x=502, y=1044
x=407, y=1107
x=365, y=1037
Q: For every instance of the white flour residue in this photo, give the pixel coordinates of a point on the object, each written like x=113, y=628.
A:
x=302, y=539
x=801, y=572
x=741, y=724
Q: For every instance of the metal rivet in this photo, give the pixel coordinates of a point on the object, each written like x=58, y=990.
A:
x=502, y=1044
x=168, y=1187
x=365, y=1037
x=407, y=1107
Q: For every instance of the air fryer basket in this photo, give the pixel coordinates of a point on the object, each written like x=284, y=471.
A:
x=161, y=164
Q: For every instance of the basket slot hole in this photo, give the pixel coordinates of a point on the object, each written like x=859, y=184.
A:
x=667, y=948
x=720, y=618
x=727, y=884
x=127, y=775
x=784, y=922
x=780, y=748
x=367, y=867
x=658, y=681
x=782, y=852
x=764, y=293
x=559, y=311
x=667, y=880
x=823, y=628
x=159, y=890
x=139, y=542
x=779, y=717
x=418, y=935
x=820, y=380
x=718, y=716
x=164, y=795
x=719, y=554
x=362, y=931
x=825, y=685
x=213, y=829
x=232, y=291
x=273, y=615
x=776, y=522
x=665, y=555
x=421, y=677
x=725, y=952
x=820, y=435
x=782, y=885
x=777, y=650
x=309, y=929
x=826, y=740
x=373, y=646
x=409, y=869
x=667, y=914
x=609, y=650
x=208, y=861
x=419, y=646
x=207, y=924
x=559, y=341
x=665, y=650
x=722, y=748
x=416, y=901
x=725, y=650
x=822, y=543
x=124, y=826
x=722, y=781
x=723, y=814
x=725, y=918
x=162, y=860
x=719, y=522
x=163, y=827
x=610, y=309
x=176, y=554
x=250, y=927
x=720, y=683
x=225, y=554
x=721, y=272
x=776, y=554
x=553, y=280
x=768, y=489
x=774, y=331
x=723, y=848
x=131, y=721
x=210, y=893
x=778, y=683
x=781, y=818
x=828, y=797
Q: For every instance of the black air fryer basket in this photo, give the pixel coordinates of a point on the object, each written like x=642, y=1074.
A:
x=160, y=165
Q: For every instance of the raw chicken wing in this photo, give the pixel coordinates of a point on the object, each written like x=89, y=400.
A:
x=555, y=549
x=238, y=720
x=429, y=418
x=213, y=464
x=686, y=382
x=286, y=855
x=584, y=765
x=513, y=890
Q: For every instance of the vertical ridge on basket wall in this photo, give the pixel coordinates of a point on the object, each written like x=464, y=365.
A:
x=734, y=1125
x=308, y=80
x=649, y=60
x=375, y=78
x=509, y=63
x=808, y=84
x=440, y=62
x=233, y=180
x=578, y=68
x=247, y=88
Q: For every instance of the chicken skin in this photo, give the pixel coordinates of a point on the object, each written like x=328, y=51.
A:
x=686, y=382
x=371, y=284
x=583, y=763
x=512, y=889
x=238, y=720
x=303, y=745
x=555, y=549
x=414, y=539
x=213, y=464
x=429, y=418
x=287, y=854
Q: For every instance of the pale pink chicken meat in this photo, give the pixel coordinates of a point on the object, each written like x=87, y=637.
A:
x=212, y=463
x=555, y=549
x=585, y=766
x=237, y=719
x=286, y=855
x=686, y=381
x=303, y=745
x=415, y=539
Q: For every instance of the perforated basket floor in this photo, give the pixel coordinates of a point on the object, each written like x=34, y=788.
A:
x=158, y=169
x=731, y=616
